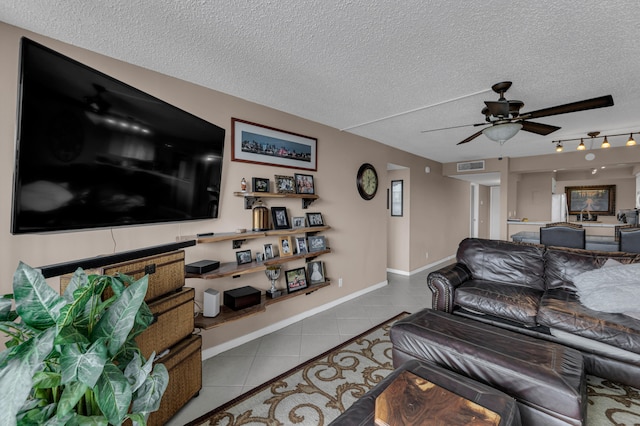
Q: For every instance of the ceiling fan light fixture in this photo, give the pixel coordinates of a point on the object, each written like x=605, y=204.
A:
x=631, y=141
x=605, y=143
x=581, y=147
x=502, y=132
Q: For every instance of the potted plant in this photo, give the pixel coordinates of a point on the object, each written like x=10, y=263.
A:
x=72, y=359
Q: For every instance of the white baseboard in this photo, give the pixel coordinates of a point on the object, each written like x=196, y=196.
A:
x=215, y=350
x=423, y=268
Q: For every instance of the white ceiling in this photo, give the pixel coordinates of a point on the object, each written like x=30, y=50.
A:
x=382, y=69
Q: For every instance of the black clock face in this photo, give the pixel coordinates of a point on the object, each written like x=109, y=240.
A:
x=367, y=181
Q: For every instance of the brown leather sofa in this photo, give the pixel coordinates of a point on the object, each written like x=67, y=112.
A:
x=528, y=288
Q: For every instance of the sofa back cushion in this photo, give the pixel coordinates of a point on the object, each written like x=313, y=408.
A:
x=563, y=264
x=503, y=261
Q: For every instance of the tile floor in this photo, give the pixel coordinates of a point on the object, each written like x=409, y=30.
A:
x=231, y=373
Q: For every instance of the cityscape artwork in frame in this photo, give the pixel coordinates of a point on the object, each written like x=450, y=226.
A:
x=258, y=144
x=594, y=199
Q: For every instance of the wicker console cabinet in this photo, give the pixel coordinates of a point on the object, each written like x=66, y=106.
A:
x=171, y=334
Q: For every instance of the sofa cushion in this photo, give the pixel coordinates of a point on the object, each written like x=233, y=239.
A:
x=503, y=262
x=562, y=310
x=562, y=265
x=515, y=303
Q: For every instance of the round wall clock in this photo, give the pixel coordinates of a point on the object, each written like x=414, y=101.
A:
x=367, y=181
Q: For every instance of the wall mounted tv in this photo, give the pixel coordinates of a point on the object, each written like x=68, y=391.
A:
x=94, y=152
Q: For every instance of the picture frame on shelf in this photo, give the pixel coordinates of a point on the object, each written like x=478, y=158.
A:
x=269, y=252
x=284, y=184
x=315, y=272
x=298, y=222
x=260, y=184
x=243, y=256
x=301, y=245
x=316, y=243
x=285, y=245
x=260, y=144
x=304, y=184
x=280, y=218
x=314, y=219
x=259, y=257
x=296, y=279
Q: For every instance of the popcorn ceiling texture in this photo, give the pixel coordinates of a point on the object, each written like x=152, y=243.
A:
x=348, y=62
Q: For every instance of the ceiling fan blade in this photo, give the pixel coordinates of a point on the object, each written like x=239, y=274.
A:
x=470, y=138
x=454, y=127
x=539, y=128
x=498, y=108
x=601, y=102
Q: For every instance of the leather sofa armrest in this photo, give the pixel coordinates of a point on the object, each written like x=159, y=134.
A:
x=443, y=283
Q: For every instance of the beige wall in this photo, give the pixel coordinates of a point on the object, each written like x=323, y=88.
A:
x=358, y=237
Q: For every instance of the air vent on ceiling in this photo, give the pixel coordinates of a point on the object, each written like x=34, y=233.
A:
x=471, y=165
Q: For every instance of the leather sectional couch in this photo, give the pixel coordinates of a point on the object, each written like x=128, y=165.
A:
x=530, y=289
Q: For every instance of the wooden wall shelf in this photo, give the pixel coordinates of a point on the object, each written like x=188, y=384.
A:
x=237, y=238
x=232, y=269
x=250, y=198
x=227, y=315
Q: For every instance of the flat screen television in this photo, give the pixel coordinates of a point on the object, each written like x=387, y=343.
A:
x=94, y=152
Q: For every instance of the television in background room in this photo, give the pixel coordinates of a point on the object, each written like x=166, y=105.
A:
x=94, y=152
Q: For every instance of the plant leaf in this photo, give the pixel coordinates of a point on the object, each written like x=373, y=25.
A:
x=6, y=314
x=78, y=420
x=78, y=280
x=46, y=380
x=16, y=375
x=70, y=397
x=116, y=323
x=147, y=398
x=86, y=366
x=113, y=394
x=37, y=304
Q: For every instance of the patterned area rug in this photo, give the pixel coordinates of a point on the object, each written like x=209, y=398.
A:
x=318, y=391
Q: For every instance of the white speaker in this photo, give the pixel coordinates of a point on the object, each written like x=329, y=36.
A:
x=211, y=303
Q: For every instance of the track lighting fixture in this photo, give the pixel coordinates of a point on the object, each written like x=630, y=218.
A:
x=592, y=136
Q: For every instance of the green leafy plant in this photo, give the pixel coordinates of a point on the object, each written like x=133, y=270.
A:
x=72, y=359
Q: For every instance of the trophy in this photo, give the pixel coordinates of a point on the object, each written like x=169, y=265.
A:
x=273, y=273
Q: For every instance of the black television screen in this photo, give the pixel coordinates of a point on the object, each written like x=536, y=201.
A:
x=94, y=152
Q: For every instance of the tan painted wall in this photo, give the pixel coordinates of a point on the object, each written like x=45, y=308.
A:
x=358, y=238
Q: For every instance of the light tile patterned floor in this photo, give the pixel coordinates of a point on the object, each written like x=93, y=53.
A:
x=238, y=370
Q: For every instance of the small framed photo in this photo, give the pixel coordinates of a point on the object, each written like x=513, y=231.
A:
x=268, y=251
x=286, y=245
x=296, y=279
x=259, y=184
x=315, y=219
x=304, y=184
x=298, y=222
x=243, y=257
x=259, y=257
x=285, y=184
x=316, y=243
x=315, y=271
x=301, y=245
x=280, y=218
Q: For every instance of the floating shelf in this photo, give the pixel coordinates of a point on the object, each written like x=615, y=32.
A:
x=227, y=315
x=232, y=269
x=250, y=198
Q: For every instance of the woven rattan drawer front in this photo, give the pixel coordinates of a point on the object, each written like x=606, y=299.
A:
x=174, y=319
x=165, y=271
x=184, y=362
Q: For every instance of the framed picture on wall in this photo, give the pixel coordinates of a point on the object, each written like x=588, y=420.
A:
x=593, y=199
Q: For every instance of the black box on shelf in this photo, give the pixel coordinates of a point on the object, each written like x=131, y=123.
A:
x=242, y=297
x=201, y=266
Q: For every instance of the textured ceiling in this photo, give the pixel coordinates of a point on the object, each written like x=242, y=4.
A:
x=382, y=69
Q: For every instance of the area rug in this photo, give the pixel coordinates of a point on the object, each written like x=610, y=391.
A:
x=319, y=390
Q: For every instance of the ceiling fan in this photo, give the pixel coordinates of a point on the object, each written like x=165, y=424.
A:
x=505, y=119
